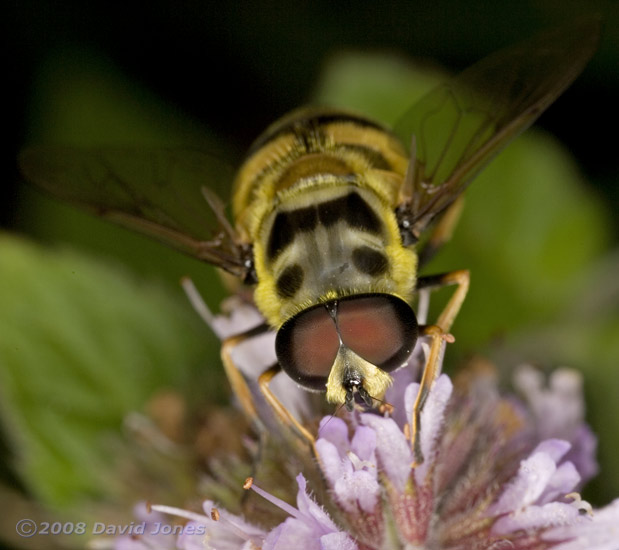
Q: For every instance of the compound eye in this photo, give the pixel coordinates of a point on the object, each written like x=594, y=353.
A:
x=380, y=328
x=306, y=347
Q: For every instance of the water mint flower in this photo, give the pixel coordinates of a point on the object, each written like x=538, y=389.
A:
x=558, y=408
x=499, y=472
x=308, y=527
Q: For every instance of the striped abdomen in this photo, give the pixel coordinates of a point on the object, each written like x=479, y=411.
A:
x=316, y=197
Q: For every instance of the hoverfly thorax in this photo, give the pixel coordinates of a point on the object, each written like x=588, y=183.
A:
x=318, y=194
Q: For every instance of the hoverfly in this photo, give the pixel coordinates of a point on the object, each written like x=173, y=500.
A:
x=327, y=209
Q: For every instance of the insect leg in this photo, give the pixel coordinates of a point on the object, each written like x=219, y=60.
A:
x=243, y=393
x=236, y=379
x=438, y=334
x=461, y=278
x=282, y=413
x=442, y=231
x=431, y=372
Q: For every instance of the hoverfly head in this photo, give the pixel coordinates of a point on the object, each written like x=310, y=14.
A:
x=348, y=346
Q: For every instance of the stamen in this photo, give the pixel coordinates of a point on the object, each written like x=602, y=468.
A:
x=197, y=302
x=583, y=506
x=199, y=518
x=178, y=512
x=359, y=464
x=282, y=505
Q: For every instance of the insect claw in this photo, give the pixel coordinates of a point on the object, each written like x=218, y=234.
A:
x=367, y=398
x=349, y=401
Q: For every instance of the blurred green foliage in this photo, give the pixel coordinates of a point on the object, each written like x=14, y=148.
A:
x=84, y=343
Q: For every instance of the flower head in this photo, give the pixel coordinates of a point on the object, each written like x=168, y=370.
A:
x=498, y=472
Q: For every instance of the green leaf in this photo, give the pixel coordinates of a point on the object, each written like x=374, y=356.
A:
x=376, y=85
x=82, y=346
x=528, y=233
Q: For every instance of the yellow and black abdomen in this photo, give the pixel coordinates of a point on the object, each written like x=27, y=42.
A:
x=316, y=197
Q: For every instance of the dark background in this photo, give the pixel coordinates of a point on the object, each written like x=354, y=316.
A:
x=236, y=67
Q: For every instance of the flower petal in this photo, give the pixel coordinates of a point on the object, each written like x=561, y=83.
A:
x=558, y=407
x=335, y=430
x=292, y=533
x=393, y=450
x=600, y=532
x=311, y=512
x=536, y=517
x=331, y=462
x=528, y=485
x=432, y=418
x=563, y=481
x=193, y=537
x=360, y=488
x=306, y=529
x=363, y=444
x=151, y=537
x=337, y=541
x=554, y=448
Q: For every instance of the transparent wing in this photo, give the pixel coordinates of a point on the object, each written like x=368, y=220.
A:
x=460, y=125
x=163, y=193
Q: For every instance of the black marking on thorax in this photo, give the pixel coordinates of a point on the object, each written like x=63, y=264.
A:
x=290, y=281
x=369, y=261
x=350, y=208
